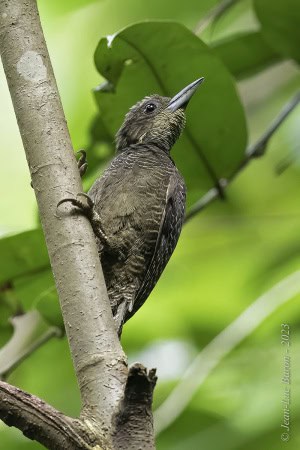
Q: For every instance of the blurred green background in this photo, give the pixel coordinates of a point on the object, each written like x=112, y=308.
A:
x=227, y=256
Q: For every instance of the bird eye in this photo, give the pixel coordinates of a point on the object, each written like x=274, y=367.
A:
x=150, y=107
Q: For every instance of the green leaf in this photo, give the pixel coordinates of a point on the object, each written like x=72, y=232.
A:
x=9, y=304
x=213, y=16
x=163, y=57
x=26, y=279
x=29, y=287
x=39, y=292
x=246, y=54
x=280, y=22
x=21, y=254
x=101, y=145
x=47, y=304
x=99, y=132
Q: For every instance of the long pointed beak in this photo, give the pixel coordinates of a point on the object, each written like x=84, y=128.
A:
x=181, y=99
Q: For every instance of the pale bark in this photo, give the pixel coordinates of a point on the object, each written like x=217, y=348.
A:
x=99, y=361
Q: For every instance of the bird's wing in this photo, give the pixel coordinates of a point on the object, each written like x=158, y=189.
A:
x=168, y=234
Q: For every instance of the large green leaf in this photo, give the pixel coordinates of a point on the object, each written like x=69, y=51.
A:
x=100, y=147
x=162, y=57
x=26, y=280
x=38, y=291
x=21, y=254
x=280, y=20
x=246, y=54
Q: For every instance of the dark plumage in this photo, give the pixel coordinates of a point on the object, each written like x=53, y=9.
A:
x=138, y=204
x=140, y=201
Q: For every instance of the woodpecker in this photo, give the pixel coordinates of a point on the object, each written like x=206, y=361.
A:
x=137, y=206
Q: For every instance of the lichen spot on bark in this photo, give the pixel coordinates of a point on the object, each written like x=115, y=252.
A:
x=31, y=67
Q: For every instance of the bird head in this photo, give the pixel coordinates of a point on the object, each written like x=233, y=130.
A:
x=156, y=120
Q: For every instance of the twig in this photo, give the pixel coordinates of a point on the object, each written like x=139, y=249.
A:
x=38, y=420
x=255, y=150
x=30, y=332
x=221, y=345
x=99, y=361
x=258, y=149
x=130, y=424
x=213, y=15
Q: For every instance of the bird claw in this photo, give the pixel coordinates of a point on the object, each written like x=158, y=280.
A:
x=86, y=209
x=82, y=163
x=89, y=211
x=88, y=199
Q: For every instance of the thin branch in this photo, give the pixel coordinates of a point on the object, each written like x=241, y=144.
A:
x=258, y=149
x=99, y=361
x=30, y=332
x=221, y=345
x=214, y=14
x=255, y=150
x=39, y=421
x=135, y=430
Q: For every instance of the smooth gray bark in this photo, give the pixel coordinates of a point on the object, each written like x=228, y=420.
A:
x=98, y=357
x=99, y=361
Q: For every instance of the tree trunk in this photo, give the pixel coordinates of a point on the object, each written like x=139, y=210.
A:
x=116, y=402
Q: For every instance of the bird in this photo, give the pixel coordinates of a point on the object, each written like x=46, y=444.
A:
x=137, y=207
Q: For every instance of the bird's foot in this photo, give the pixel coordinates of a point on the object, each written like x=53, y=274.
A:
x=82, y=163
x=88, y=210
